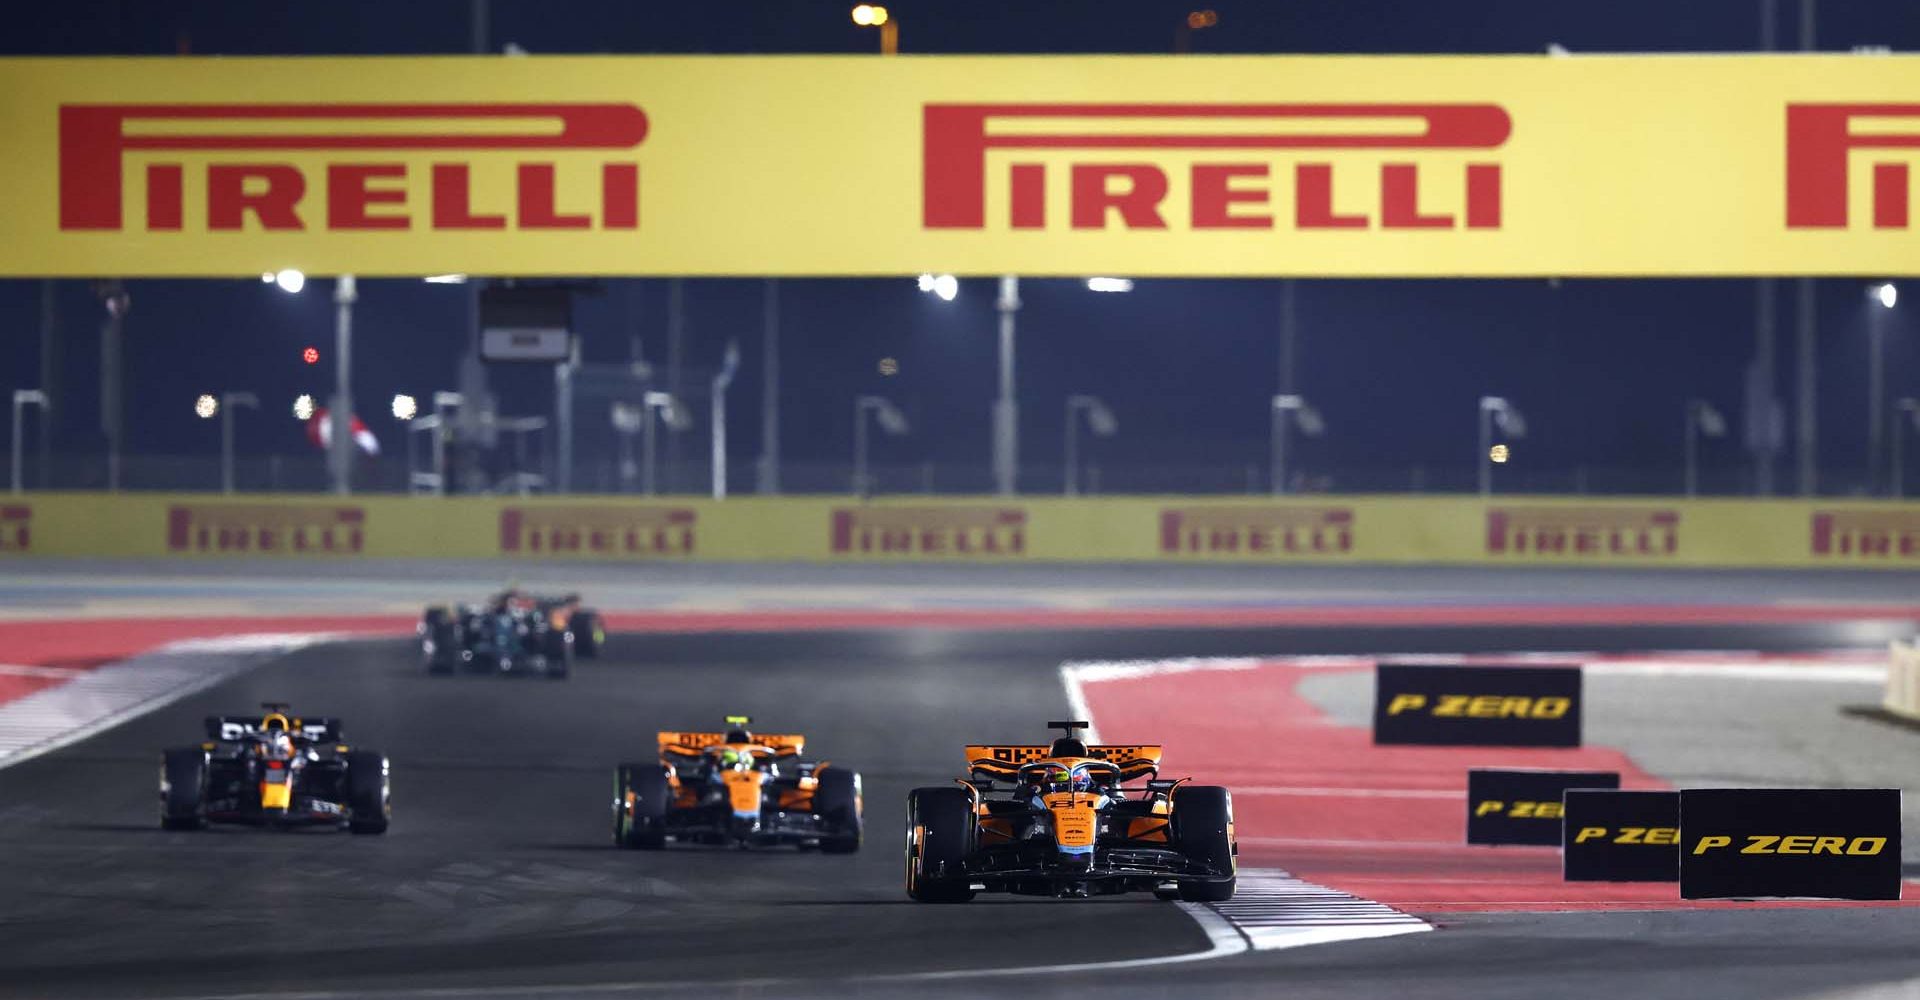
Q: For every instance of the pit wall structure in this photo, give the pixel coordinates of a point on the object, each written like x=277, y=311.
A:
x=1507, y=530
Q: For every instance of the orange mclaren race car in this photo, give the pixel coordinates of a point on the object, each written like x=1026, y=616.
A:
x=740, y=788
x=1061, y=820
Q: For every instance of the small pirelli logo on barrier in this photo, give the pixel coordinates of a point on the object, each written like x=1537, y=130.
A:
x=266, y=529
x=1867, y=536
x=1597, y=532
x=1266, y=532
x=929, y=532
x=603, y=531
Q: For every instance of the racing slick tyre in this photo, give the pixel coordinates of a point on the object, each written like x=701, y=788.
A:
x=369, y=792
x=439, y=641
x=1203, y=831
x=560, y=646
x=836, y=800
x=183, y=789
x=940, y=832
x=641, y=794
x=589, y=633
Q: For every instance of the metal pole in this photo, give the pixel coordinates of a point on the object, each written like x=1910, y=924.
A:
x=112, y=423
x=50, y=344
x=226, y=448
x=1006, y=440
x=1279, y=470
x=676, y=337
x=563, y=419
x=340, y=451
x=1486, y=450
x=1876, y=392
x=1692, y=452
x=719, y=440
x=770, y=392
x=860, y=448
x=647, y=481
x=1900, y=415
x=1073, y=452
x=16, y=442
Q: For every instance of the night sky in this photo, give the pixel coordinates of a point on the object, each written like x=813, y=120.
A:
x=1602, y=369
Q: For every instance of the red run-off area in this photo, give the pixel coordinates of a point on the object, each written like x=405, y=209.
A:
x=1386, y=823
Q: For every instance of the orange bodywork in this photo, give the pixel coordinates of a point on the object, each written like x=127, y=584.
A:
x=743, y=790
x=1075, y=820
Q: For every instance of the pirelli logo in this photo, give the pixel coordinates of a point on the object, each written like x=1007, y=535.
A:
x=266, y=529
x=1866, y=536
x=1256, y=532
x=16, y=528
x=1244, y=166
x=929, y=532
x=1797, y=843
x=609, y=532
x=1584, y=532
x=231, y=167
x=1821, y=141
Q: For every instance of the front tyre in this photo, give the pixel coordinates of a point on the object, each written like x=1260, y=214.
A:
x=837, y=801
x=1203, y=831
x=369, y=792
x=589, y=632
x=641, y=795
x=439, y=641
x=183, y=789
x=940, y=834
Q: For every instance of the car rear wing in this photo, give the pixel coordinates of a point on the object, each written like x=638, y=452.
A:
x=1002, y=763
x=228, y=728
x=692, y=744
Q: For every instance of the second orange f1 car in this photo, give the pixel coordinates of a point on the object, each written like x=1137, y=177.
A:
x=740, y=788
x=1057, y=821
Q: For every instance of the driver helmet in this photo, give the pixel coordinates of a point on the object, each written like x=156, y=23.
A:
x=731, y=757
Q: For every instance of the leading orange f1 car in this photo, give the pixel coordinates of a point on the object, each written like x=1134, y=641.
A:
x=740, y=788
x=1061, y=820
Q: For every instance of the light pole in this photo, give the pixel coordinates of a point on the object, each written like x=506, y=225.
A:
x=1100, y=420
x=340, y=452
x=1006, y=414
x=1495, y=409
x=728, y=367
x=1702, y=418
x=1905, y=411
x=869, y=15
x=1310, y=424
x=23, y=398
x=1881, y=300
x=891, y=420
x=673, y=415
x=228, y=401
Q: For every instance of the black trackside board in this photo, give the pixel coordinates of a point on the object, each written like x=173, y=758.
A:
x=1614, y=836
x=1523, y=806
x=1454, y=705
x=1826, y=843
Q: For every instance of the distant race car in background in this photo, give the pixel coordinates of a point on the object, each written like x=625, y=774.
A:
x=274, y=770
x=737, y=788
x=511, y=631
x=1057, y=821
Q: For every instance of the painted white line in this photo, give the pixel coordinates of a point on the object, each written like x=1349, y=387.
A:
x=1241, y=791
x=25, y=670
x=99, y=699
x=1807, y=671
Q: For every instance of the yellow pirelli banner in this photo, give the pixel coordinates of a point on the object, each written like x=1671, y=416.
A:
x=1503, y=531
x=1137, y=165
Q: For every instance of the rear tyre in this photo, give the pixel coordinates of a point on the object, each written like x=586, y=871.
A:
x=641, y=794
x=560, y=646
x=940, y=834
x=1203, y=831
x=369, y=792
x=183, y=789
x=837, y=801
x=439, y=641
x=589, y=633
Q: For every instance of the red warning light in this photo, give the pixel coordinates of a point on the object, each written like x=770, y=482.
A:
x=310, y=355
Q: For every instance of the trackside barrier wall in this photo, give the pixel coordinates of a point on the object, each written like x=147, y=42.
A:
x=1442, y=530
x=1903, y=680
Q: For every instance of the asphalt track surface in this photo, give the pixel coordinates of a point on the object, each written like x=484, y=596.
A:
x=498, y=878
